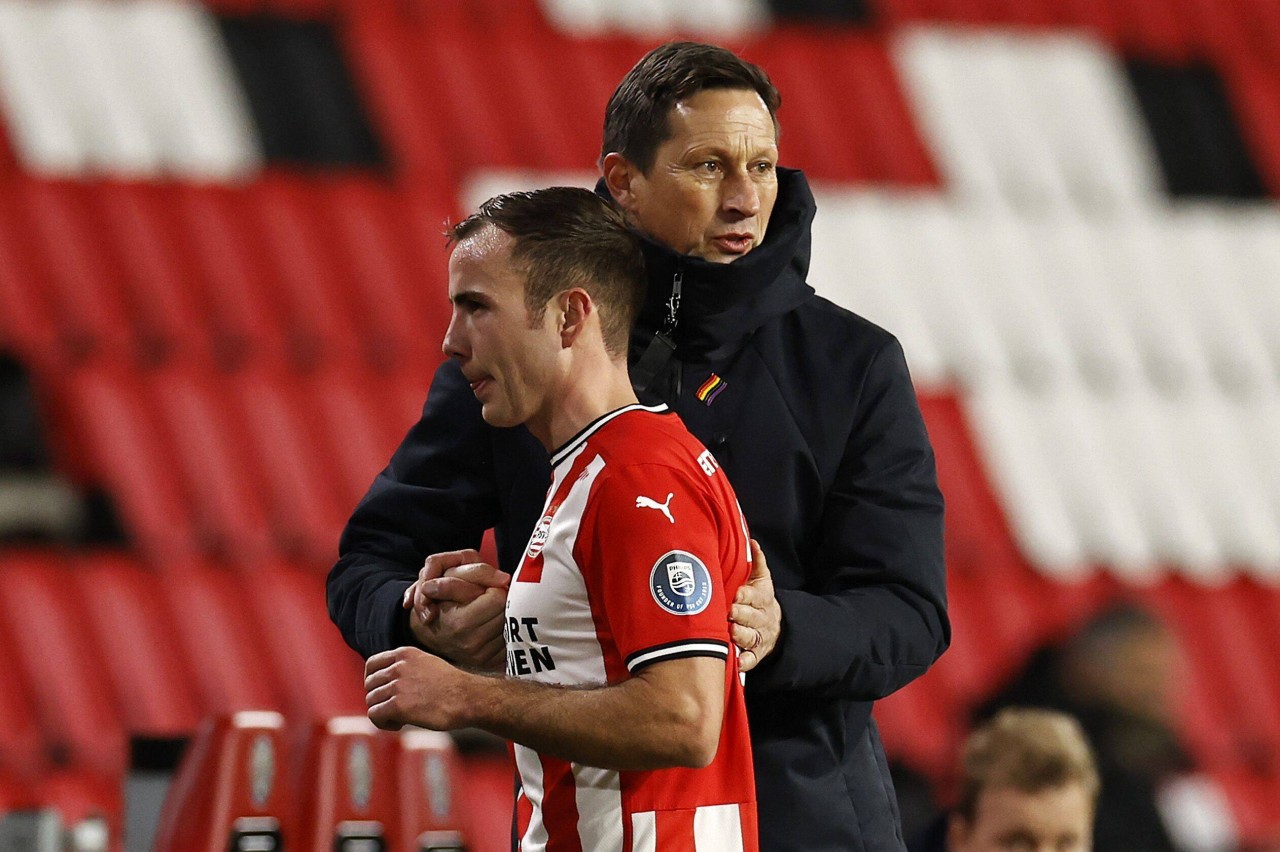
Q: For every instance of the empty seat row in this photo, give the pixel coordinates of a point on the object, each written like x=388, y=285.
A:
x=1174, y=298
x=128, y=89
x=290, y=271
x=97, y=648
x=238, y=466
x=1171, y=30
x=1141, y=483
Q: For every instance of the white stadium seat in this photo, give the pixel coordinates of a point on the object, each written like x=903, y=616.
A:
x=137, y=88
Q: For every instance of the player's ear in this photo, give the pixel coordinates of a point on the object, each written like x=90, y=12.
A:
x=619, y=176
x=576, y=308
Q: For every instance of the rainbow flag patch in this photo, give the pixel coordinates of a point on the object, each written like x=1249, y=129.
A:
x=711, y=389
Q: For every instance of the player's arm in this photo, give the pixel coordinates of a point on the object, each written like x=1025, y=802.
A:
x=668, y=714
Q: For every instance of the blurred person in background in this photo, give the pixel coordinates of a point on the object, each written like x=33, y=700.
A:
x=808, y=408
x=1119, y=673
x=617, y=619
x=1028, y=783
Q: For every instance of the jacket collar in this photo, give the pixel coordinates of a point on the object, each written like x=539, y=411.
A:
x=721, y=304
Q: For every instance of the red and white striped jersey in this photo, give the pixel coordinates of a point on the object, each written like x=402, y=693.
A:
x=636, y=559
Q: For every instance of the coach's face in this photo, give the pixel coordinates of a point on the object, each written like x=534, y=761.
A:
x=508, y=356
x=713, y=183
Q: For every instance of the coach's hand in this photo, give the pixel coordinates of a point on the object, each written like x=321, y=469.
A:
x=411, y=687
x=755, y=617
x=457, y=606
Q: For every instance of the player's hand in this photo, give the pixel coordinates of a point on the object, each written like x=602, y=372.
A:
x=457, y=606
x=755, y=617
x=408, y=686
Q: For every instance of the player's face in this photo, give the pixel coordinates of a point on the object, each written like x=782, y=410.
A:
x=712, y=185
x=509, y=358
x=1059, y=819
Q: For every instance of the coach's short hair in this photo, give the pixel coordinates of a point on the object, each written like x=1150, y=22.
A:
x=567, y=237
x=1028, y=750
x=637, y=117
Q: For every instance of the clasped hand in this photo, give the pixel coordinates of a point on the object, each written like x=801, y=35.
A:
x=458, y=603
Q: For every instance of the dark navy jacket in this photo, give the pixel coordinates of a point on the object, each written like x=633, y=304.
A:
x=819, y=431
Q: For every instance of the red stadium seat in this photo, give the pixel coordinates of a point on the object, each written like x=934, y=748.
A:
x=379, y=37
x=131, y=627
x=123, y=446
x=232, y=788
x=347, y=786
x=291, y=604
x=76, y=711
x=210, y=464
x=27, y=318
x=219, y=639
x=361, y=217
x=430, y=792
x=22, y=753
x=135, y=222
x=294, y=479
x=63, y=261
x=317, y=318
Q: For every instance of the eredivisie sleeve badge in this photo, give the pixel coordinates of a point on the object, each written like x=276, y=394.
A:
x=680, y=583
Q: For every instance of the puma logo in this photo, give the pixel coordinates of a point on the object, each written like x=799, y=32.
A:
x=646, y=503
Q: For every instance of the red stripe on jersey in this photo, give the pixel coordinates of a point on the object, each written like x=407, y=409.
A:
x=750, y=828
x=675, y=830
x=559, y=805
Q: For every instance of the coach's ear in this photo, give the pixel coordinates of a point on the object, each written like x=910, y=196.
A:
x=619, y=175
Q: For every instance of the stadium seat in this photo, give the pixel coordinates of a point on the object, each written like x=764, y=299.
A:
x=40, y=113
x=128, y=457
x=347, y=786
x=22, y=753
x=210, y=464
x=376, y=38
x=294, y=478
x=232, y=789
x=224, y=258
x=430, y=792
x=318, y=319
x=936, y=265
x=88, y=298
x=1137, y=431
x=135, y=636
x=168, y=319
x=219, y=638
x=855, y=265
x=1005, y=429
x=291, y=603
x=79, y=721
x=1102, y=507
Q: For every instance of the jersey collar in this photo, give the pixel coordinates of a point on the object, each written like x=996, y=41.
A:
x=571, y=446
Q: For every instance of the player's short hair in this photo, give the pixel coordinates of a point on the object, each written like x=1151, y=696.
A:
x=637, y=117
x=567, y=237
x=1029, y=750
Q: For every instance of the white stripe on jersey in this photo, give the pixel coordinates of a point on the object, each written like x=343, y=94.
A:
x=644, y=832
x=530, y=769
x=599, y=796
x=705, y=649
x=717, y=828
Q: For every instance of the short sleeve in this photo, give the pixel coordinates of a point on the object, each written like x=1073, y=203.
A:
x=652, y=556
